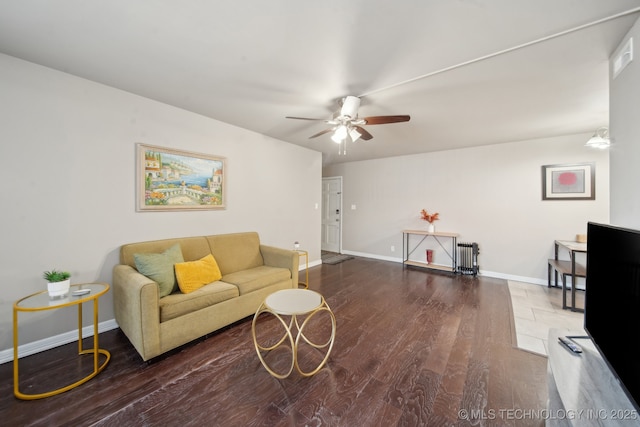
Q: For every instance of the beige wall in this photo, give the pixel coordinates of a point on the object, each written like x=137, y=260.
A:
x=67, y=151
x=490, y=195
x=625, y=134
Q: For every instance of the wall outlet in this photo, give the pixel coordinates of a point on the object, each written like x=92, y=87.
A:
x=353, y=207
x=393, y=248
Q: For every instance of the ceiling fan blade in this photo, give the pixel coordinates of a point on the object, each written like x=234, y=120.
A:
x=321, y=133
x=381, y=120
x=305, y=118
x=363, y=133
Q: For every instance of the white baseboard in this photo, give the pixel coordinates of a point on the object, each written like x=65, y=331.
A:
x=513, y=277
x=55, y=341
x=494, y=274
x=367, y=255
x=311, y=264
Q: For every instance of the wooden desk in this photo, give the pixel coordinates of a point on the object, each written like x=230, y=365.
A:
x=567, y=268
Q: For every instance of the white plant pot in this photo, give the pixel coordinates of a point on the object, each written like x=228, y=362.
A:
x=58, y=289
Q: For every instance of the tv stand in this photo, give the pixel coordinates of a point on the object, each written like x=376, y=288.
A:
x=582, y=389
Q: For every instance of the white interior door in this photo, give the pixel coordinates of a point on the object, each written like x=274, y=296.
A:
x=331, y=214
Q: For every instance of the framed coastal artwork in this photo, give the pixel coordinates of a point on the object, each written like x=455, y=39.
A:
x=569, y=182
x=175, y=180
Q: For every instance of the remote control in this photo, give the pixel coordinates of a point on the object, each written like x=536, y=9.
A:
x=79, y=292
x=570, y=344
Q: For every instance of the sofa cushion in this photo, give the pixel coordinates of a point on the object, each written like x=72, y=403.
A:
x=159, y=268
x=193, y=275
x=257, y=278
x=193, y=248
x=236, y=251
x=178, y=304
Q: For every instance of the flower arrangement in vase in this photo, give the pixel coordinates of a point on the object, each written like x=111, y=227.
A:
x=430, y=218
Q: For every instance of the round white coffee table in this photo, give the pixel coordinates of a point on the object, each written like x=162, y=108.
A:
x=294, y=303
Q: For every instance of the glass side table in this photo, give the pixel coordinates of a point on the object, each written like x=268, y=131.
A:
x=40, y=302
x=304, y=254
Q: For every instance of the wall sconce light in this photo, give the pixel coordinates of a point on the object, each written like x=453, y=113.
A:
x=600, y=139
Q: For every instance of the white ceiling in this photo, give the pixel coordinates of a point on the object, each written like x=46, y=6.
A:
x=469, y=72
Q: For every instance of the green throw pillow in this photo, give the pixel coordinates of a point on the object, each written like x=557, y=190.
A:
x=159, y=268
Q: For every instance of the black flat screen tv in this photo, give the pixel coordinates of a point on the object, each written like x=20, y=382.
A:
x=612, y=301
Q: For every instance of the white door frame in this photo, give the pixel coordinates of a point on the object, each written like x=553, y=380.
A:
x=335, y=218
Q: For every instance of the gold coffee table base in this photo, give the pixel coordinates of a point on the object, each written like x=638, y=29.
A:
x=310, y=305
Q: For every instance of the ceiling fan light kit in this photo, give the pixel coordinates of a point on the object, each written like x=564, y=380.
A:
x=340, y=134
x=354, y=134
x=347, y=125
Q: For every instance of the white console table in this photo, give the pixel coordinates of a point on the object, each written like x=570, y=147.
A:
x=582, y=389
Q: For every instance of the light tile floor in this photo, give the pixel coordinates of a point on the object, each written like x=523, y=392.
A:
x=536, y=309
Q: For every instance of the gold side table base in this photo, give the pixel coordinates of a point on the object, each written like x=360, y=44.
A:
x=289, y=335
x=96, y=291
x=95, y=372
x=305, y=254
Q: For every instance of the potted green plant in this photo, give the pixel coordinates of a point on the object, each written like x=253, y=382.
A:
x=58, y=283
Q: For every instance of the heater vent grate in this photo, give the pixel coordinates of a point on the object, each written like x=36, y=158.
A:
x=468, y=258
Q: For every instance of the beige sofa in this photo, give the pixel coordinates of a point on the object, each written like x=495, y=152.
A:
x=250, y=271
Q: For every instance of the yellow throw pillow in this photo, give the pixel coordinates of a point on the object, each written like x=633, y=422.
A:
x=195, y=274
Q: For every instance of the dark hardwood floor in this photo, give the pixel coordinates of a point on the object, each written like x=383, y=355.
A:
x=412, y=348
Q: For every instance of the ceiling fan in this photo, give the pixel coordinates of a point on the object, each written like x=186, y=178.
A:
x=346, y=125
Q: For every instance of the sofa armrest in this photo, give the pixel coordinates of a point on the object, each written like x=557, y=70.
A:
x=278, y=257
x=135, y=304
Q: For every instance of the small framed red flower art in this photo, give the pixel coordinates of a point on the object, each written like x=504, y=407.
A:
x=569, y=182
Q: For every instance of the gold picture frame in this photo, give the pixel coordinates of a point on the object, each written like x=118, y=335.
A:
x=175, y=180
